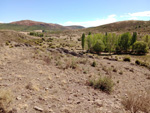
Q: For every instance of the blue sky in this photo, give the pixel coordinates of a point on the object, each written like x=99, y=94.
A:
x=70, y=12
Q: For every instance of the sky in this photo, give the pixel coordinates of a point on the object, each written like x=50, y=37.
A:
x=87, y=13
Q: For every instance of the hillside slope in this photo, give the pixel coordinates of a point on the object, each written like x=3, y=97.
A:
x=123, y=26
x=29, y=25
x=75, y=27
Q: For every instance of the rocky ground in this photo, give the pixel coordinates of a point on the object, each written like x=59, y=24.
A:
x=55, y=81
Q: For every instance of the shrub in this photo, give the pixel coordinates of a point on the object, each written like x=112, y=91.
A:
x=5, y=99
x=103, y=83
x=126, y=59
x=138, y=62
x=137, y=102
x=144, y=64
x=7, y=43
x=94, y=64
x=71, y=63
x=36, y=34
x=140, y=47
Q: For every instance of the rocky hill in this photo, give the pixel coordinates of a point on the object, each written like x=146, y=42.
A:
x=123, y=26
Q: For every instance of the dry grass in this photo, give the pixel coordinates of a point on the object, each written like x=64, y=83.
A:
x=137, y=102
x=5, y=99
x=103, y=83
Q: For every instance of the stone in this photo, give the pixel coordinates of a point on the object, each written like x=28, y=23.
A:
x=38, y=108
x=98, y=103
x=18, y=98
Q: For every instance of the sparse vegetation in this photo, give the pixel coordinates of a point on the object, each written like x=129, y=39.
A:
x=137, y=102
x=5, y=99
x=57, y=61
x=138, y=62
x=94, y=64
x=140, y=47
x=36, y=34
x=127, y=59
x=103, y=83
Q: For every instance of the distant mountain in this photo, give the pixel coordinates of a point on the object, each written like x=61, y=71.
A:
x=123, y=26
x=29, y=25
x=75, y=27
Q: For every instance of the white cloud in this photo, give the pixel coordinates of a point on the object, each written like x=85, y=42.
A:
x=97, y=22
x=136, y=16
x=133, y=18
x=140, y=14
x=1, y=22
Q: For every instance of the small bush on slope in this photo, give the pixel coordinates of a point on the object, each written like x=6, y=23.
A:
x=136, y=102
x=103, y=83
x=5, y=99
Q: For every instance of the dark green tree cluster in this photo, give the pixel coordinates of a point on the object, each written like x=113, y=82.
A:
x=111, y=42
x=36, y=34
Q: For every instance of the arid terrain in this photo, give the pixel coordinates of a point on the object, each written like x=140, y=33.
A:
x=52, y=74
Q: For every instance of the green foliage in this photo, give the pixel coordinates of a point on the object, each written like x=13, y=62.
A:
x=125, y=41
x=89, y=33
x=83, y=40
x=98, y=47
x=36, y=34
x=134, y=38
x=89, y=42
x=110, y=42
x=140, y=47
x=103, y=83
x=146, y=39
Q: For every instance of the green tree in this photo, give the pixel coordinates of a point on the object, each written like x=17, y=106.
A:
x=125, y=41
x=99, y=46
x=83, y=41
x=111, y=40
x=89, y=33
x=147, y=40
x=140, y=47
x=134, y=38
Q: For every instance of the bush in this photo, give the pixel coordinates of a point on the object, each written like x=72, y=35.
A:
x=103, y=83
x=94, y=64
x=144, y=64
x=5, y=99
x=136, y=102
x=138, y=62
x=36, y=34
x=140, y=47
x=126, y=59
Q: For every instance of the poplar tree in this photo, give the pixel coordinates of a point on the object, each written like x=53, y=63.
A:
x=83, y=41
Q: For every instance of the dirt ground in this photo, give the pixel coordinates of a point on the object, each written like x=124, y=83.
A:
x=41, y=82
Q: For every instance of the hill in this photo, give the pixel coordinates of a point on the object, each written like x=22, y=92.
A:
x=123, y=26
x=75, y=27
x=29, y=25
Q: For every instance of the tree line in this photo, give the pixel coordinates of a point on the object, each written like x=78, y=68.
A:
x=111, y=42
